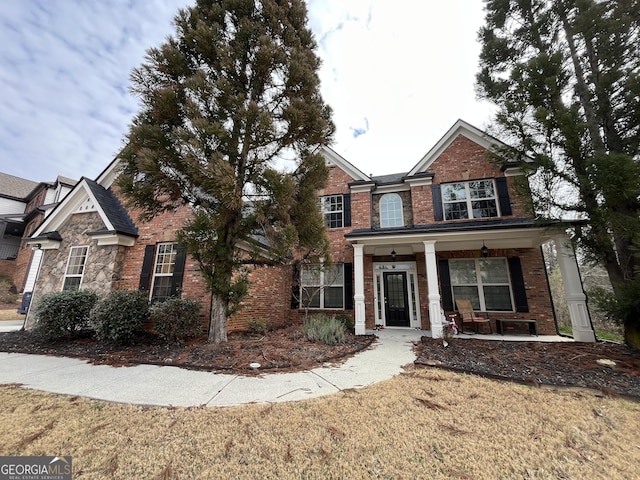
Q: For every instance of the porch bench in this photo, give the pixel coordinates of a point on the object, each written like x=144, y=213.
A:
x=531, y=323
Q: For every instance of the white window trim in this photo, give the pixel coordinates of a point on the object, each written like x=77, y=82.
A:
x=413, y=291
x=480, y=284
x=469, y=201
x=155, y=275
x=319, y=289
x=84, y=265
x=389, y=195
x=326, y=212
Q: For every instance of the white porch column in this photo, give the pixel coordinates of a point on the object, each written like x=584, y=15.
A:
x=576, y=299
x=434, y=291
x=358, y=287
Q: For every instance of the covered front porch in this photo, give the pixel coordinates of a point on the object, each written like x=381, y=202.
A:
x=398, y=284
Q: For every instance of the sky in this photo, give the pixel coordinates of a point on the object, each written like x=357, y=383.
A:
x=397, y=74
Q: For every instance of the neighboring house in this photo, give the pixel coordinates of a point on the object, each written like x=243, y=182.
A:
x=404, y=247
x=23, y=206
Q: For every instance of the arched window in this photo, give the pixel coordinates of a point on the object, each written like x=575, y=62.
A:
x=391, y=211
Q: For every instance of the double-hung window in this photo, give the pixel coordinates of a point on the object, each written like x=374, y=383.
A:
x=332, y=207
x=464, y=200
x=322, y=286
x=163, y=271
x=391, y=211
x=75, y=268
x=483, y=281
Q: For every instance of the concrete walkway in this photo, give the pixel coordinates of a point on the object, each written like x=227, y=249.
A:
x=172, y=386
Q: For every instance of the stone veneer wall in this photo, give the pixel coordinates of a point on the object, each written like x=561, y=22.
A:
x=102, y=268
x=407, y=211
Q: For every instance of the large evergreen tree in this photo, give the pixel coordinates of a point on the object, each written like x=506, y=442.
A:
x=225, y=101
x=565, y=75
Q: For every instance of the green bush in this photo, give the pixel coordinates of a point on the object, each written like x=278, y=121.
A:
x=324, y=329
x=176, y=319
x=120, y=316
x=7, y=293
x=64, y=314
x=258, y=325
x=348, y=321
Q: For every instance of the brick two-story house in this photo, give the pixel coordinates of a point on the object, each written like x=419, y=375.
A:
x=403, y=246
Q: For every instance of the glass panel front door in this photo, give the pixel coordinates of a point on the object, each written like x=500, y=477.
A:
x=396, y=301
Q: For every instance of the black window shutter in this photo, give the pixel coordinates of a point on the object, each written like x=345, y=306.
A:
x=445, y=285
x=517, y=282
x=346, y=208
x=147, y=266
x=295, y=287
x=437, y=203
x=178, y=272
x=348, y=286
x=503, y=196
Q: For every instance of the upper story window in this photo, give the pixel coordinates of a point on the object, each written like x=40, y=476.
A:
x=336, y=210
x=474, y=199
x=75, y=268
x=391, y=211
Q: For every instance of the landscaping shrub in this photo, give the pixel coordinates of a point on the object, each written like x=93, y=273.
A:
x=325, y=329
x=258, y=325
x=8, y=292
x=176, y=319
x=120, y=316
x=65, y=314
x=348, y=322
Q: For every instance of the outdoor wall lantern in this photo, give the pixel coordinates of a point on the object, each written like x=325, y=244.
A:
x=393, y=255
x=484, y=251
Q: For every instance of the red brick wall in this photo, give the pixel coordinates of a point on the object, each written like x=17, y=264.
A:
x=7, y=268
x=269, y=299
x=269, y=295
x=462, y=160
x=23, y=260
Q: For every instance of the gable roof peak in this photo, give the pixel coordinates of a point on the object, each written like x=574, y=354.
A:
x=460, y=127
x=333, y=158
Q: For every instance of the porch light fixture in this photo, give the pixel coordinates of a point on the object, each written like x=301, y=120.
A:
x=484, y=251
x=393, y=255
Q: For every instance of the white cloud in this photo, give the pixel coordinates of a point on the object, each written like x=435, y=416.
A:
x=397, y=74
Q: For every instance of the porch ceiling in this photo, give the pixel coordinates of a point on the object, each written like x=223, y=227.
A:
x=405, y=244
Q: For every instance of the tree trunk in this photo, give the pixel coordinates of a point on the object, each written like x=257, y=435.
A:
x=218, y=321
x=632, y=331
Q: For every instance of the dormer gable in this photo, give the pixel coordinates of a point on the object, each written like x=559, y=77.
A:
x=90, y=197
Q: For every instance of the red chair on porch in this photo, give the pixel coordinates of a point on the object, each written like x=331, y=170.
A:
x=465, y=309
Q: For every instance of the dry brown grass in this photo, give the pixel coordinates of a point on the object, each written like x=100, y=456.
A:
x=10, y=314
x=422, y=424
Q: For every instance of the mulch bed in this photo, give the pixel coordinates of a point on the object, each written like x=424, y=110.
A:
x=282, y=350
x=536, y=363
x=287, y=350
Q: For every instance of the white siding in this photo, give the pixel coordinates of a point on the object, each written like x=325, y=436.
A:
x=11, y=206
x=33, y=270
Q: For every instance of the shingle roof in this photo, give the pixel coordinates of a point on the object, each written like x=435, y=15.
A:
x=456, y=227
x=15, y=187
x=393, y=178
x=113, y=209
x=66, y=180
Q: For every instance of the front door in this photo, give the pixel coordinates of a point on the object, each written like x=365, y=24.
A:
x=396, y=303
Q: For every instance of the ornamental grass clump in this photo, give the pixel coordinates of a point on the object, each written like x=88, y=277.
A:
x=65, y=314
x=176, y=319
x=120, y=316
x=325, y=329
